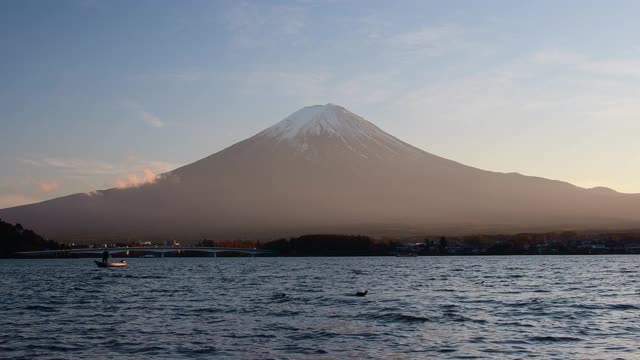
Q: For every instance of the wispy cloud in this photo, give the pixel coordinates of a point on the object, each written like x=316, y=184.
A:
x=95, y=167
x=133, y=180
x=557, y=57
x=372, y=26
x=152, y=120
x=47, y=187
x=140, y=112
x=424, y=36
x=367, y=88
x=132, y=172
x=434, y=41
x=309, y=87
x=10, y=200
x=184, y=75
x=253, y=25
x=610, y=66
x=536, y=102
x=321, y=87
x=75, y=165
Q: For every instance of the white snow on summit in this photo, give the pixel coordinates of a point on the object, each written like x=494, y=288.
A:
x=333, y=121
x=327, y=119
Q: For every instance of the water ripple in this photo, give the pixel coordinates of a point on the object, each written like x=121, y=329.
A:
x=569, y=307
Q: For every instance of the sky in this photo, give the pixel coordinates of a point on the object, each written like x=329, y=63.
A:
x=101, y=94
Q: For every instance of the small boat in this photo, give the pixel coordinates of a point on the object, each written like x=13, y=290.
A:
x=108, y=265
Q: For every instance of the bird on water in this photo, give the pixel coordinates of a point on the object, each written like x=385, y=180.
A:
x=279, y=295
x=360, y=293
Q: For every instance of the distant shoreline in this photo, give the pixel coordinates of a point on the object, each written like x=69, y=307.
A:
x=15, y=239
x=23, y=257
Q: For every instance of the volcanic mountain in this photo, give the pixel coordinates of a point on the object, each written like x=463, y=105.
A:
x=325, y=169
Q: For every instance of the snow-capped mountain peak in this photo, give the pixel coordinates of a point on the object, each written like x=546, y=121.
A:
x=326, y=119
x=325, y=170
x=332, y=127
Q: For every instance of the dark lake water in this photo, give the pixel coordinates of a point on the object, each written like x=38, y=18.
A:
x=562, y=307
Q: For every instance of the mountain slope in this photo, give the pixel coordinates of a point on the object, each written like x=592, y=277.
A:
x=325, y=169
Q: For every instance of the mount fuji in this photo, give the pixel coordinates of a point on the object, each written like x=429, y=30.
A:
x=324, y=169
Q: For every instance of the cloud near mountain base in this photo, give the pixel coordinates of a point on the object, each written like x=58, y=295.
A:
x=133, y=180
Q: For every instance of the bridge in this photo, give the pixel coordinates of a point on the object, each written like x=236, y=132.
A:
x=213, y=251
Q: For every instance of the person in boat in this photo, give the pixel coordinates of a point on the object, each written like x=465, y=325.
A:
x=105, y=256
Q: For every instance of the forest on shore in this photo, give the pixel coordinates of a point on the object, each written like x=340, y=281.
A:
x=15, y=238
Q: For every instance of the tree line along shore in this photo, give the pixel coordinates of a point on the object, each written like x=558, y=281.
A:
x=15, y=238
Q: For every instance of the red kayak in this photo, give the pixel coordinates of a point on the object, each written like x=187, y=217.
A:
x=107, y=264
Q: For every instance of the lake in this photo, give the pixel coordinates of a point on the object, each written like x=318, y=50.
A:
x=548, y=307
